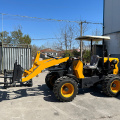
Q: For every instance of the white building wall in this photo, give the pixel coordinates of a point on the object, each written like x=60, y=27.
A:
x=111, y=16
x=113, y=45
x=112, y=26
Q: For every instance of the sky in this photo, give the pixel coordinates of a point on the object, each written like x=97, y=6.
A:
x=73, y=10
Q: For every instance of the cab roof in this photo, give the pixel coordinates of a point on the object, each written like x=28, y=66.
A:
x=93, y=38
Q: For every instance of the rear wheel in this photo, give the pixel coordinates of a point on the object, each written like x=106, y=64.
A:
x=50, y=79
x=111, y=85
x=65, y=89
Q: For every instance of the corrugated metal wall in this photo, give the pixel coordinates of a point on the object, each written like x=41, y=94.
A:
x=11, y=54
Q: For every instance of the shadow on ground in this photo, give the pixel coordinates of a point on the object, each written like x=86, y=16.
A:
x=95, y=91
x=32, y=91
x=46, y=92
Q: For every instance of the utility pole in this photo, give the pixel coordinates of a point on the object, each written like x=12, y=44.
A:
x=81, y=40
x=2, y=42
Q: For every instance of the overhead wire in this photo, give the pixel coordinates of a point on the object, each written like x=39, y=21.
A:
x=45, y=38
x=51, y=19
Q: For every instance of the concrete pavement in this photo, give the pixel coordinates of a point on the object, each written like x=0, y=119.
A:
x=39, y=103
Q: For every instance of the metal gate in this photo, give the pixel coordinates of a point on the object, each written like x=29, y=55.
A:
x=11, y=54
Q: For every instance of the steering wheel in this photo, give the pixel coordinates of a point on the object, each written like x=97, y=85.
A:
x=52, y=56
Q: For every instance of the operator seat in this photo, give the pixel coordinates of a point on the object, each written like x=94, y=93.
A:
x=93, y=62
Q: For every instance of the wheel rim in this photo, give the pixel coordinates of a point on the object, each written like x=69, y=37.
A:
x=67, y=90
x=115, y=86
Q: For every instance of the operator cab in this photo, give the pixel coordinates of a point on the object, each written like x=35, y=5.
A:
x=96, y=62
x=93, y=63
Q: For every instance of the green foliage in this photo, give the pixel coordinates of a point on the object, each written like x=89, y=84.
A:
x=4, y=36
x=25, y=40
x=73, y=53
x=76, y=53
x=16, y=37
x=68, y=53
x=86, y=55
x=7, y=40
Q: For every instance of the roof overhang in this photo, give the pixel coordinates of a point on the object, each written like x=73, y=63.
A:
x=93, y=38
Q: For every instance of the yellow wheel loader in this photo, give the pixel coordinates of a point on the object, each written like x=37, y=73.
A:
x=102, y=70
x=68, y=74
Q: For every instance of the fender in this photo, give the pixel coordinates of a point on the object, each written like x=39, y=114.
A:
x=74, y=77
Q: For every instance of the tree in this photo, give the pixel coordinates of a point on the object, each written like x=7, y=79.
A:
x=71, y=36
x=86, y=55
x=8, y=40
x=66, y=39
x=64, y=36
x=76, y=53
x=42, y=47
x=34, y=50
x=58, y=45
x=96, y=33
x=16, y=36
x=5, y=37
x=25, y=40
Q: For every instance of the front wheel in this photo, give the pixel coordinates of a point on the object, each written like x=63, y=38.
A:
x=65, y=89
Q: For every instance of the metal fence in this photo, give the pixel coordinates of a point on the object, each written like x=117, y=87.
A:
x=11, y=54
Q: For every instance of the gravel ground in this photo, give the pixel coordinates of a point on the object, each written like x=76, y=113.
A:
x=39, y=103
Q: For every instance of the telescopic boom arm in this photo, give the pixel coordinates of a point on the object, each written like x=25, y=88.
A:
x=38, y=66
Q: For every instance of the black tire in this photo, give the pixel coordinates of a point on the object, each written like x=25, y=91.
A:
x=111, y=85
x=60, y=85
x=50, y=79
x=28, y=83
